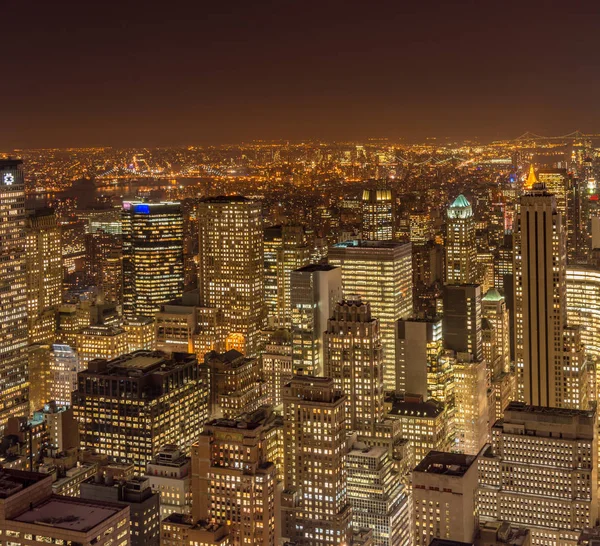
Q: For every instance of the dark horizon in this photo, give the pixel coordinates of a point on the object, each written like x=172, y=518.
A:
x=138, y=75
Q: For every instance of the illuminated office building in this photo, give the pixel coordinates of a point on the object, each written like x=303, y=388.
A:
x=234, y=478
x=421, y=228
x=104, y=264
x=100, y=342
x=493, y=308
x=353, y=359
x=231, y=270
x=380, y=272
x=277, y=364
x=39, y=367
x=315, y=507
x=131, y=406
x=461, y=249
x=541, y=472
x=293, y=254
x=444, y=498
x=64, y=367
x=273, y=240
x=379, y=500
x=44, y=275
x=103, y=219
x=378, y=214
x=419, y=346
x=141, y=334
x=152, y=256
x=560, y=183
x=315, y=289
x=14, y=399
x=470, y=404
x=424, y=424
x=236, y=384
x=31, y=515
x=546, y=374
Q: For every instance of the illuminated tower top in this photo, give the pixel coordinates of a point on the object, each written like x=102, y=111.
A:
x=461, y=250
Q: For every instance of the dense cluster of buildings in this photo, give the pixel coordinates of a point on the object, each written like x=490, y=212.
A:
x=192, y=376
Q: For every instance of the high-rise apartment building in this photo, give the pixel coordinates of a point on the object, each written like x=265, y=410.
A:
x=315, y=506
x=461, y=249
x=544, y=367
x=234, y=479
x=44, y=275
x=354, y=360
x=131, y=406
x=541, y=472
x=152, y=256
x=231, y=269
x=419, y=345
x=380, y=272
x=379, y=499
x=378, y=214
x=293, y=254
x=315, y=289
x=445, y=498
x=14, y=399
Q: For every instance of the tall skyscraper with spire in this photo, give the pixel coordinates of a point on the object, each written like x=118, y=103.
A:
x=550, y=369
x=461, y=250
x=13, y=296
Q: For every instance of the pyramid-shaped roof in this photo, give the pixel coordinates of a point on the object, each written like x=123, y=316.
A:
x=492, y=295
x=460, y=202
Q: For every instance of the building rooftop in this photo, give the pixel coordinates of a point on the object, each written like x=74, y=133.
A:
x=137, y=363
x=445, y=542
x=492, y=295
x=431, y=408
x=13, y=481
x=226, y=199
x=363, y=243
x=449, y=464
x=70, y=513
x=460, y=208
x=521, y=407
x=311, y=268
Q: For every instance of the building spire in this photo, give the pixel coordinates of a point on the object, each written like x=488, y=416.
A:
x=531, y=178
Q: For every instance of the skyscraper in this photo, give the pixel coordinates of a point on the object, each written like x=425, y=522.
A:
x=544, y=367
x=462, y=319
x=273, y=239
x=354, y=359
x=378, y=209
x=152, y=256
x=380, y=272
x=231, y=270
x=461, y=249
x=315, y=508
x=44, y=275
x=13, y=297
x=315, y=289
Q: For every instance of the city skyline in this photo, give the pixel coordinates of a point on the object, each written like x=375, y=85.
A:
x=144, y=76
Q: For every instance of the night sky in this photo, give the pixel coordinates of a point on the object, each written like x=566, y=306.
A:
x=78, y=73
